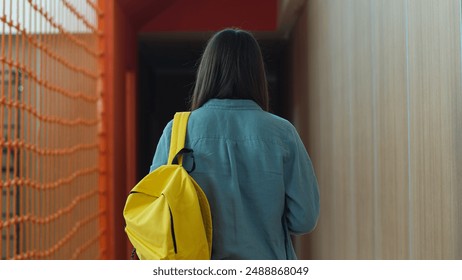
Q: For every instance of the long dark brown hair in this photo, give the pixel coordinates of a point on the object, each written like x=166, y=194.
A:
x=231, y=67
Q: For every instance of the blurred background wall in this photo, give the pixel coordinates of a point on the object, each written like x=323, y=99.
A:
x=377, y=96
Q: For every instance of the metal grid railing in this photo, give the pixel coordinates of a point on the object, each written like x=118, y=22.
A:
x=49, y=129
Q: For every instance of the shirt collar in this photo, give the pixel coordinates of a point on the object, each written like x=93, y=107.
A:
x=232, y=104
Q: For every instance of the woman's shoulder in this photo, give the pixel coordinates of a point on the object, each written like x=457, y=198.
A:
x=278, y=123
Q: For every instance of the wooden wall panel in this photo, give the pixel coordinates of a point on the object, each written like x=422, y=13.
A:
x=339, y=95
x=380, y=112
x=434, y=82
x=390, y=129
x=321, y=116
x=361, y=122
x=342, y=192
x=297, y=76
x=318, y=141
x=457, y=136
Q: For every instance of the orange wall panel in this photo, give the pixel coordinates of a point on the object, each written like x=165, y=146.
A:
x=120, y=58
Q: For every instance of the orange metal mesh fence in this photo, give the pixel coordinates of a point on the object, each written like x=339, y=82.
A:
x=48, y=128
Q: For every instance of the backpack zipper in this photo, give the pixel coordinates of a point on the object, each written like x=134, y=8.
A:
x=173, y=231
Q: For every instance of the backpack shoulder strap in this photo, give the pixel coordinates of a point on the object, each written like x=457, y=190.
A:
x=180, y=123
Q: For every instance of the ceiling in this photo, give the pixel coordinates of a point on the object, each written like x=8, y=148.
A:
x=170, y=19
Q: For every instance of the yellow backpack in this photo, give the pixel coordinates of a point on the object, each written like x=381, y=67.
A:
x=167, y=214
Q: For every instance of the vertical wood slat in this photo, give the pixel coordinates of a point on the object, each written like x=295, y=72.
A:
x=434, y=82
x=303, y=54
x=308, y=58
x=391, y=147
x=361, y=121
x=298, y=58
x=339, y=43
x=457, y=109
x=320, y=117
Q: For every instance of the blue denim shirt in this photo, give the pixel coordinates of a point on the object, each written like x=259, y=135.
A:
x=256, y=174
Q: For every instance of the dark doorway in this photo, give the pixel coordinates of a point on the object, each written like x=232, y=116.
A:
x=167, y=71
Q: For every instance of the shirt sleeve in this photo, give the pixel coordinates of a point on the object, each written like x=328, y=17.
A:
x=301, y=189
x=163, y=147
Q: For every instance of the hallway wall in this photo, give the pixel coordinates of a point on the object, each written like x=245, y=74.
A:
x=119, y=125
x=377, y=97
